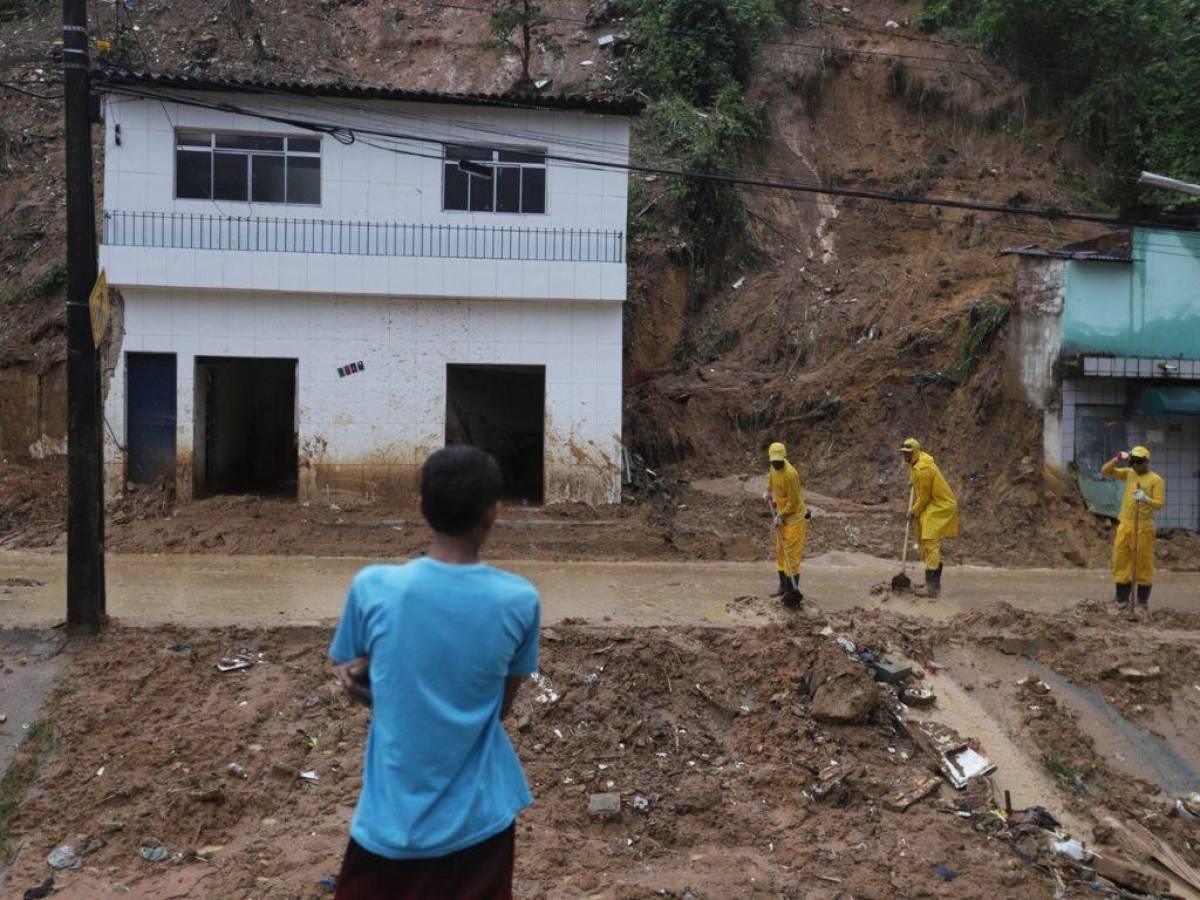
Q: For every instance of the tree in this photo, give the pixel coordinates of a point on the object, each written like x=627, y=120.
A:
x=519, y=26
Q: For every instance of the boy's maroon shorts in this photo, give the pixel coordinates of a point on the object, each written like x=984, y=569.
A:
x=482, y=871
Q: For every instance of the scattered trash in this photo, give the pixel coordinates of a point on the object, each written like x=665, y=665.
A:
x=917, y=789
x=640, y=803
x=1071, y=848
x=39, y=892
x=1128, y=673
x=891, y=23
x=1189, y=805
x=181, y=647
x=234, y=663
x=919, y=695
x=542, y=83
x=600, y=804
x=737, y=285
x=207, y=853
x=546, y=692
x=238, y=770
x=848, y=645
x=309, y=776
x=153, y=850
x=945, y=873
x=328, y=884
x=586, y=63
x=64, y=857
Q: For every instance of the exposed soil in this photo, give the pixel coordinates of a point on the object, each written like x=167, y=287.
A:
x=750, y=762
x=147, y=735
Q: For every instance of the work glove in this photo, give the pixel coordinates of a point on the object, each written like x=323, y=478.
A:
x=1141, y=496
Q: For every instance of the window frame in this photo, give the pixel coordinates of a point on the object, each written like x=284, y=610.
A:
x=496, y=163
x=284, y=153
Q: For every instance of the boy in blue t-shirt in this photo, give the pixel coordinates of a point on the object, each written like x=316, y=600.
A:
x=438, y=647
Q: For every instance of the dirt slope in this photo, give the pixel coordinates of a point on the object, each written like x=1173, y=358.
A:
x=843, y=325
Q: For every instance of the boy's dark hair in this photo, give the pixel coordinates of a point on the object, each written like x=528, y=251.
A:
x=458, y=485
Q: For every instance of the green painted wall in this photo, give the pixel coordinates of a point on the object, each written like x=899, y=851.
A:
x=1148, y=308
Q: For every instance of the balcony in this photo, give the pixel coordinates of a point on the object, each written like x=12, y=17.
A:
x=188, y=251
x=192, y=231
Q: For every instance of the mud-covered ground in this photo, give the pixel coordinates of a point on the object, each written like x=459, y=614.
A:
x=718, y=741
x=709, y=519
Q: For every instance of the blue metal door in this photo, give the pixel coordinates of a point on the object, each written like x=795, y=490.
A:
x=150, y=417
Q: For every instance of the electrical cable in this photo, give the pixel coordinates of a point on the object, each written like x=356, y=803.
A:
x=1047, y=213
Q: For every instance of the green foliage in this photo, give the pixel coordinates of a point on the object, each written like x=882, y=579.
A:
x=705, y=141
x=519, y=26
x=696, y=58
x=1125, y=72
x=985, y=319
x=695, y=48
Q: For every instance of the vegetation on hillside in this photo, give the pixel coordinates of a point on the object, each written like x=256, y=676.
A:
x=695, y=60
x=1126, y=73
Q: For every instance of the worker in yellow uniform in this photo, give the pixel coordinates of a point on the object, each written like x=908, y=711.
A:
x=1145, y=492
x=934, y=511
x=785, y=496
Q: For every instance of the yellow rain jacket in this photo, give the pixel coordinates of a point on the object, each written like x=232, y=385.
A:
x=1123, y=544
x=934, y=507
x=785, y=489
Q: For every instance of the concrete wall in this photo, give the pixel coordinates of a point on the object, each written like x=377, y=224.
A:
x=367, y=433
x=1035, y=335
x=1148, y=309
x=366, y=181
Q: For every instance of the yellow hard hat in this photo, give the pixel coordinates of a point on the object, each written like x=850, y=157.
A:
x=1140, y=452
x=777, y=452
x=910, y=445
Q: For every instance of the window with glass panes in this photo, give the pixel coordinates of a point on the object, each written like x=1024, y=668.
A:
x=517, y=183
x=247, y=168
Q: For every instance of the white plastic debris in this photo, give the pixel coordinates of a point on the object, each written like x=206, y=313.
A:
x=63, y=857
x=1073, y=849
x=891, y=23
x=737, y=285
x=546, y=692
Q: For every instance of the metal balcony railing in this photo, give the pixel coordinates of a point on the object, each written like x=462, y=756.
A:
x=194, y=231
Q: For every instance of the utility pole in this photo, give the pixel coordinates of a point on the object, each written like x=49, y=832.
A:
x=85, y=494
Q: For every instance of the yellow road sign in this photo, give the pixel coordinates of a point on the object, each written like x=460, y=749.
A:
x=99, y=307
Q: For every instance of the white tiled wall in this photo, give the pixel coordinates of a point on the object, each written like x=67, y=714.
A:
x=377, y=426
x=367, y=182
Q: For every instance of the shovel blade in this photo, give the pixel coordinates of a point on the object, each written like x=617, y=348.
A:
x=901, y=582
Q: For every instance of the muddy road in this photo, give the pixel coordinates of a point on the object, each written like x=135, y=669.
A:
x=273, y=590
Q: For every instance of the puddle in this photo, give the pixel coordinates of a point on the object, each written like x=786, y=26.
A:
x=1123, y=743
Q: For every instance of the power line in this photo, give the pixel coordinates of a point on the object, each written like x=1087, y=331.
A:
x=1051, y=214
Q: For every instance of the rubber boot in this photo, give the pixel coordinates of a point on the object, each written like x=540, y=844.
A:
x=1122, y=597
x=793, y=598
x=784, y=586
x=1144, y=595
x=931, y=587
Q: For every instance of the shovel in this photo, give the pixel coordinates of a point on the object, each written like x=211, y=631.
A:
x=902, y=582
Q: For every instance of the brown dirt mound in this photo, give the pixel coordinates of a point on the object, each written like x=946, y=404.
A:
x=720, y=788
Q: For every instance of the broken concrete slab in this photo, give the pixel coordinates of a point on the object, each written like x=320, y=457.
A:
x=907, y=794
x=1129, y=673
x=890, y=672
x=602, y=804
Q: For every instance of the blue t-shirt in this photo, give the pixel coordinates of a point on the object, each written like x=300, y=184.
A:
x=439, y=772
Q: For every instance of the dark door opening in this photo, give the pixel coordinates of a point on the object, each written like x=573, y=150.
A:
x=501, y=409
x=150, y=417
x=245, y=426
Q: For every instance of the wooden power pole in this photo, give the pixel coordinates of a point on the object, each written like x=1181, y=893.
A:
x=85, y=493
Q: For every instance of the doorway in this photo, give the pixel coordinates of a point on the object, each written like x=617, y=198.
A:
x=150, y=416
x=245, y=429
x=501, y=409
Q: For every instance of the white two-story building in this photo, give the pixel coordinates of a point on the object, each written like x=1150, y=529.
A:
x=322, y=285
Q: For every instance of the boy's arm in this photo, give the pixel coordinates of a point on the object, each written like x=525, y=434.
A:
x=349, y=651
x=525, y=659
x=512, y=684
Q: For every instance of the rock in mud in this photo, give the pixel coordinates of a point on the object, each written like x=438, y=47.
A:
x=843, y=691
x=697, y=794
x=600, y=804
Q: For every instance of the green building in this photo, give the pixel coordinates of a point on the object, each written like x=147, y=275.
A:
x=1106, y=342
